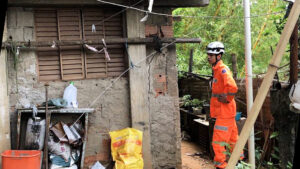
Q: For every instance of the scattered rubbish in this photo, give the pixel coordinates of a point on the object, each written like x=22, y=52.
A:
x=35, y=134
x=58, y=131
x=195, y=154
x=295, y=95
x=72, y=134
x=98, y=165
x=57, y=102
x=60, y=149
x=93, y=28
x=185, y=136
x=126, y=148
x=91, y=48
x=107, y=57
x=70, y=95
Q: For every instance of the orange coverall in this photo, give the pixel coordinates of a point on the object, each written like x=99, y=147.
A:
x=225, y=129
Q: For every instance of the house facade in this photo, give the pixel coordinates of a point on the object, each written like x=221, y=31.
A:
x=146, y=97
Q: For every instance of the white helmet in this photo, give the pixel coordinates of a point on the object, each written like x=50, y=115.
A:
x=215, y=48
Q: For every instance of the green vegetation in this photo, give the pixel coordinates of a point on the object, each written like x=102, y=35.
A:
x=228, y=27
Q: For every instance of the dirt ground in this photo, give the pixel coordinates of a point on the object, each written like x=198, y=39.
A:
x=190, y=160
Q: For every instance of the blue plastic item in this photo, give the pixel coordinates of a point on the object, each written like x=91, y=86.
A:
x=238, y=116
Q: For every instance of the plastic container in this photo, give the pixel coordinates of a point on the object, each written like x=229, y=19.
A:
x=238, y=116
x=70, y=95
x=21, y=159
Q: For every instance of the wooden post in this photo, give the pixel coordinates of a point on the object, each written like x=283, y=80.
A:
x=234, y=65
x=265, y=86
x=139, y=84
x=46, y=128
x=294, y=56
x=191, y=61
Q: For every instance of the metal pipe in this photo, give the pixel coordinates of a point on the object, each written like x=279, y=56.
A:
x=249, y=84
x=46, y=128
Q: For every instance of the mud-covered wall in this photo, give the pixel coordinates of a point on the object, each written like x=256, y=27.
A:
x=112, y=109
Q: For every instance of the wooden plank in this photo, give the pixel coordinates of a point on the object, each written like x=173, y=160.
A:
x=45, y=24
x=66, y=67
x=49, y=72
x=72, y=71
x=56, y=67
x=97, y=65
x=265, y=86
x=69, y=28
x=46, y=34
x=45, y=20
x=73, y=77
x=48, y=63
x=96, y=70
x=46, y=38
x=69, y=32
x=139, y=84
x=77, y=37
x=46, y=29
x=71, y=62
x=95, y=61
x=51, y=14
x=48, y=58
x=48, y=53
x=116, y=60
x=71, y=57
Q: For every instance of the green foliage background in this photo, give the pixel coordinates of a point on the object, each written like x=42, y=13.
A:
x=228, y=27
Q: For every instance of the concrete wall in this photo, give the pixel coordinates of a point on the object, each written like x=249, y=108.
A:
x=4, y=113
x=163, y=101
x=113, y=109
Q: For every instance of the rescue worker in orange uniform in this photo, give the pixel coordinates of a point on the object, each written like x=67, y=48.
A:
x=222, y=104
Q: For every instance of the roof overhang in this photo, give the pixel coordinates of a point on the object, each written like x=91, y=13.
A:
x=63, y=3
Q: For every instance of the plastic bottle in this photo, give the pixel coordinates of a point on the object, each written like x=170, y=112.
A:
x=70, y=95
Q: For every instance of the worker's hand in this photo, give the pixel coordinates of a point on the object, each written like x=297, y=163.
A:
x=223, y=99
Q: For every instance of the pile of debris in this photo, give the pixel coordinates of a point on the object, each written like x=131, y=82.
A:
x=65, y=145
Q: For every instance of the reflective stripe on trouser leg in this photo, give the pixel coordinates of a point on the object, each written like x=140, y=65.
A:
x=222, y=134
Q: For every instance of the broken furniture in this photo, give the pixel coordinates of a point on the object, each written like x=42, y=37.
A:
x=69, y=115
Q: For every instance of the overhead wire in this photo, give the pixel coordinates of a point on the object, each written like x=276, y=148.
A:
x=186, y=16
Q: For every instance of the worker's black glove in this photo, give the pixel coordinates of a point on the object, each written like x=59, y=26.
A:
x=223, y=99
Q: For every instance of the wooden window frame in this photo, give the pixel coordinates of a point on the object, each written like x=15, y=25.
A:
x=118, y=54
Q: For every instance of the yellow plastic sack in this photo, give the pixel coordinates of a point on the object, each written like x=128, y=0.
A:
x=126, y=148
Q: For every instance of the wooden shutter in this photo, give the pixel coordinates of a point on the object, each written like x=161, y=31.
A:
x=48, y=58
x=71, y=57
x=96, y=64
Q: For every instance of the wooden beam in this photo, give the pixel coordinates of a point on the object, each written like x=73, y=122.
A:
x=294, y=56
x=265, y=86
x=34, y=44
x=139, y=84
x=65, y=3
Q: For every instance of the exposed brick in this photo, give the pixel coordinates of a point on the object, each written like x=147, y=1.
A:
x=150, y=30
x=167, y=31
